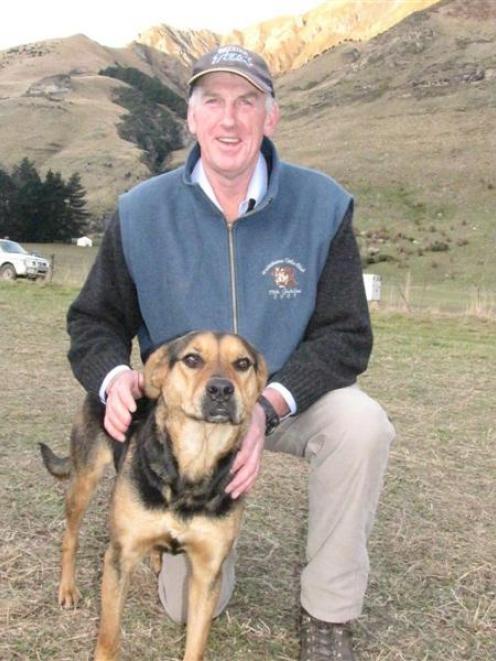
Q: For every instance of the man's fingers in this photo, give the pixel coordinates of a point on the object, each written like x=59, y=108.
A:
x=113, y=430
x=246, y=465
x=118, y=414
x=120, y=406
x=122, y=393
x=126, y=401
x=246, y=475
x=244, y=483
x=240, y=460
x=244, y=460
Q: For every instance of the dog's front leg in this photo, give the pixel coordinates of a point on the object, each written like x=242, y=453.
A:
x=119, y=561
x=204, y=587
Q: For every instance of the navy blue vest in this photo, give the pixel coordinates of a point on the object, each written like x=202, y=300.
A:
x=258, y=278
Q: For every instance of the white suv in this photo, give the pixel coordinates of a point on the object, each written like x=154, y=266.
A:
x=15, y=262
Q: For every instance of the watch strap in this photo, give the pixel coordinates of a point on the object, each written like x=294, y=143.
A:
x=272, y=419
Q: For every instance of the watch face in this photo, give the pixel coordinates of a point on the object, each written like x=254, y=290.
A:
x=271, y=425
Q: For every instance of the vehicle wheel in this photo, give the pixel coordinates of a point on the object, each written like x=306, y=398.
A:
x=8, y=272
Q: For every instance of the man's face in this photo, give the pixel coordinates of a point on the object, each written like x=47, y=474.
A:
x=229, y=119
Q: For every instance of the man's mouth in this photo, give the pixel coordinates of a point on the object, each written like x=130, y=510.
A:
x=229, y=141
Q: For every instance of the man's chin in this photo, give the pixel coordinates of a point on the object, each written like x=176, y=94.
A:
x=229, y=166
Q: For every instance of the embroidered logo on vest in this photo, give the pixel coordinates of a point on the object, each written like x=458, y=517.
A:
x=284, y=277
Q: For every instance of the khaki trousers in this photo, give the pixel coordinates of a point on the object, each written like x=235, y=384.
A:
x=345, y=437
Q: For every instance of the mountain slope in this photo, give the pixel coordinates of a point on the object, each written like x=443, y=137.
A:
x=406, y=121
x=56, y=109
x=288, y=42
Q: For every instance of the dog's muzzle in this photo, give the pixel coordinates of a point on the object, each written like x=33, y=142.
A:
x=219, y=403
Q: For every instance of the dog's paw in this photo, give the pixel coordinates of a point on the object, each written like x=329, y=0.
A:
x=68, y=595
x=104, y=653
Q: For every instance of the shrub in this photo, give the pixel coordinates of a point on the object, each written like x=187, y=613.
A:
x=152, y=119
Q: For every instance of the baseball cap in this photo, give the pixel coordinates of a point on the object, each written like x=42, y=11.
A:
x=238, y=60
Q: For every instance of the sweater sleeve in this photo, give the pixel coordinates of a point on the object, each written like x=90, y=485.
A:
x=338, y=339
x=105, y=316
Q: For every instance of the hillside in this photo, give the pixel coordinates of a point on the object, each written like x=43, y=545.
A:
x=56, y=109
x=288, y=42
x=406, y=121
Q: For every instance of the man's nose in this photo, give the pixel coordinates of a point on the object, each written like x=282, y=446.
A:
x=229, y=116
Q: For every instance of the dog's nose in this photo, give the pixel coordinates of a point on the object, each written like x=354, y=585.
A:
x=220, y=390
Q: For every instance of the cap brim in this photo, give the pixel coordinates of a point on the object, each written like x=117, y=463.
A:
x=256, y=84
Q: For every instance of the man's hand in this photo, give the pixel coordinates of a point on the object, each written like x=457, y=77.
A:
x=246, y=466
x=122, y=393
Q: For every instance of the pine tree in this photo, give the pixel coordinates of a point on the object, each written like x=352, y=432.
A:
x=38, y=211
x=26, y=224
x=53, y=208
x=7, y=191
x=77, y=205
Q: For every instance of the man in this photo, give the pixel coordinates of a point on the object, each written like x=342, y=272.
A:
x=237, y=240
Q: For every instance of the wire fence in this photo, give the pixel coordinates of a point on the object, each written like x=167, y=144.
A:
x=449, y=299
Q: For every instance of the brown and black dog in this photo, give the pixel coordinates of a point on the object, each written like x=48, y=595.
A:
x=169, y=492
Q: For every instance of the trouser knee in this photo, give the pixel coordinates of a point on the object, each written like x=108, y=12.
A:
x=354, y=426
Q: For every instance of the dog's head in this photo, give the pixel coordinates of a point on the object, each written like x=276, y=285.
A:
x=207, y=376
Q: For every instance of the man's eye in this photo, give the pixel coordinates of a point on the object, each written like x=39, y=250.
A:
x=242, y=364
x=193, y=360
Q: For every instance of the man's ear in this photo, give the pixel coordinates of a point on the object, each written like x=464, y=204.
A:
x=191, y=119
x=272, y=120
x=156, y=370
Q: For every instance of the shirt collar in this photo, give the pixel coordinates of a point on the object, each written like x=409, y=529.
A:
x=256, y=188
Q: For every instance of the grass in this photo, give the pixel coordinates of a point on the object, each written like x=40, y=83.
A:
x=432, y=585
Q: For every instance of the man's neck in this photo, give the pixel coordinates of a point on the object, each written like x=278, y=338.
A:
x=230, y=193
x=235, y=202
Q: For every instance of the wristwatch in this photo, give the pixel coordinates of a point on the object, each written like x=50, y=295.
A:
x=272, y=419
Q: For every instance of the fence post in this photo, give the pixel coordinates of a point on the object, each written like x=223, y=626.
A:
x=51, y=268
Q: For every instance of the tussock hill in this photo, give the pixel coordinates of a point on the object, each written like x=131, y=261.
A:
x=407, y=122
x=56, y=109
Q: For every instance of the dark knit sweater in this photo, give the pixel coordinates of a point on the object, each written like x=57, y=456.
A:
x=333, y=349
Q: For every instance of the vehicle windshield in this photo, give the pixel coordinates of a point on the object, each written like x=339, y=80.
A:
x=12, y=246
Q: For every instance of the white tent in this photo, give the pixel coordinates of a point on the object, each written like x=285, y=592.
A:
x=84, y=242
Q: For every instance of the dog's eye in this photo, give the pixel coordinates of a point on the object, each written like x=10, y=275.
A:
x=242, y=364
x=193, y=360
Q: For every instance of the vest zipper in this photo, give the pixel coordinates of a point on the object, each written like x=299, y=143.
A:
x=232, y=272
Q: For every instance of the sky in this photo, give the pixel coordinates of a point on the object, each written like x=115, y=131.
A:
x=114, y=23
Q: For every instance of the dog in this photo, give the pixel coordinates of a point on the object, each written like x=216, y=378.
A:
x=169, y=493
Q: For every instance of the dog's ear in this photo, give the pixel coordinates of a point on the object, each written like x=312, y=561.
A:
x=262, y=372
x=156, y=370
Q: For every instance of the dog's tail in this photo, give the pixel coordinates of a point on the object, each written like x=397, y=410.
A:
x=59, y=467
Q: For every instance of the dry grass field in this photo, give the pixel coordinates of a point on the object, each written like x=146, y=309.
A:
x=432, y=590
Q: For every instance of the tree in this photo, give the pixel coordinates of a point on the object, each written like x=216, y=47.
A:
x=26, y=202
x=53, y=208
x=37, y=211
x=77, y=204
x=7, y=190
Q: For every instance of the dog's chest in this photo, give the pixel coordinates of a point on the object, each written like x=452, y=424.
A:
x=174, y=535
x=163, y=484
